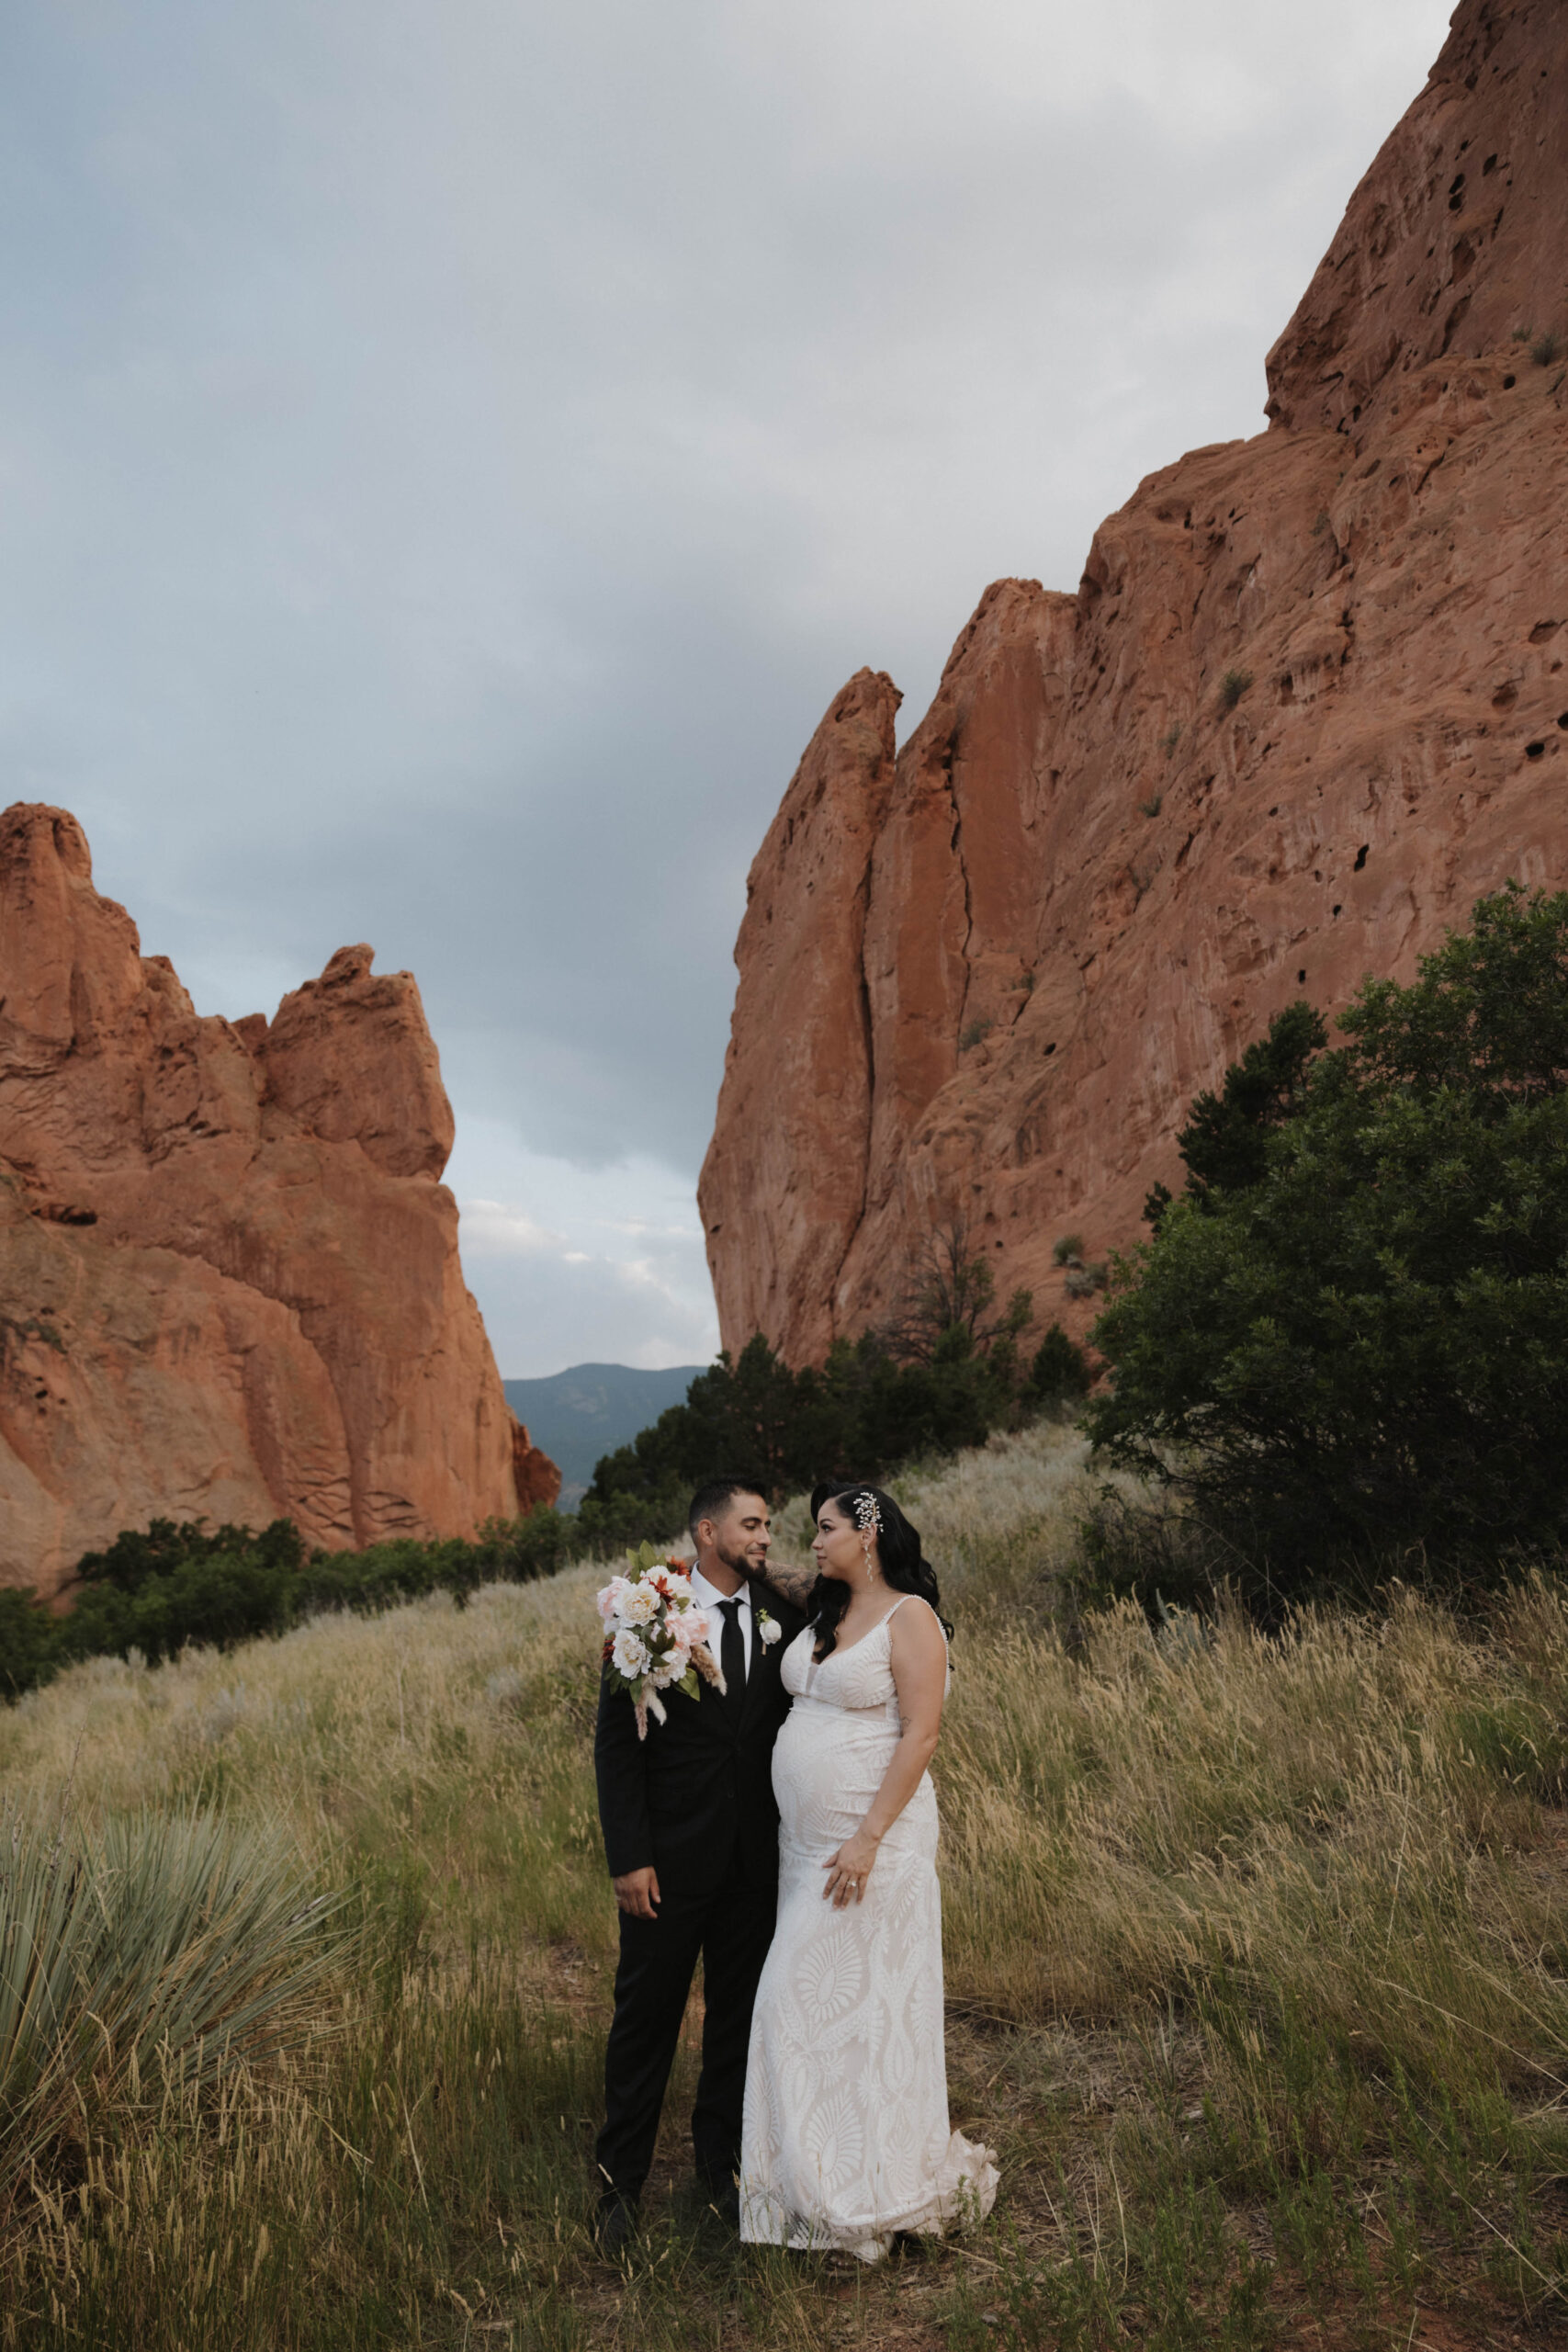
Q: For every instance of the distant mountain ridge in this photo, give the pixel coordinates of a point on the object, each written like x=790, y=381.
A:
x=589, y=1410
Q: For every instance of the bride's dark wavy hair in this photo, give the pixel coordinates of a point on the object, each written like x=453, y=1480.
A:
x=904, y=1563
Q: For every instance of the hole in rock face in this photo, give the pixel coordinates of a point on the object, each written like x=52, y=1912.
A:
x=1506, y=696
x=1361, y=856
x=1336, y=912
x=1489, y=167
x=1508, y=382
x=1050, y=1049
x=1456, y=184
x=1535, y=750
x=1562, y=723
x=1544, y=632
x=1301, y=980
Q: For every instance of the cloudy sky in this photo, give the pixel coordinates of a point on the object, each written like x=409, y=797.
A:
x=453, y=450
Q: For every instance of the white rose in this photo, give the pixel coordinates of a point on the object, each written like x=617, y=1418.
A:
x=679, y=1587
x=628, y=1656
x=608, y=1599
x=640, y=1603
x=771, y=1632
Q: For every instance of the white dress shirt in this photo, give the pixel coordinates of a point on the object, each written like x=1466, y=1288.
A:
x=708, y=1598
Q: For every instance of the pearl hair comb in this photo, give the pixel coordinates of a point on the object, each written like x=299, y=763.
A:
x=868, y=1518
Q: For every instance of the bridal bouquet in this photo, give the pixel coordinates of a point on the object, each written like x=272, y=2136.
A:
x=655, y=1635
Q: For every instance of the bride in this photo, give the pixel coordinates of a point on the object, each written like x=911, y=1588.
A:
x=846, y=2139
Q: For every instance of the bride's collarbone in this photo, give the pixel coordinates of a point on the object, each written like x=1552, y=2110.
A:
x=855, y=1628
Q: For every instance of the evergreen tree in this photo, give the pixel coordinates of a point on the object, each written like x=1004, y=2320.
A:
x=1347, y=1339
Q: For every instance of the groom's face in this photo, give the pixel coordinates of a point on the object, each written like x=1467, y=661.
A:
x=743, y=1535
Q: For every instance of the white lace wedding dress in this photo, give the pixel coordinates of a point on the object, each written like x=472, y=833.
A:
x=847, y=2138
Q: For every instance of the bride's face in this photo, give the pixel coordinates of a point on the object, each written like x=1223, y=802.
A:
x=838, y=1549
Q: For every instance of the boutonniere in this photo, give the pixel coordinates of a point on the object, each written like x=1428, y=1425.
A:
x=769, y=1630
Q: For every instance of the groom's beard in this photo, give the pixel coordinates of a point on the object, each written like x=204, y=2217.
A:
x=748, y=1571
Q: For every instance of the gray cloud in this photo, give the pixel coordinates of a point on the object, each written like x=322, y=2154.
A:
x=451, y=456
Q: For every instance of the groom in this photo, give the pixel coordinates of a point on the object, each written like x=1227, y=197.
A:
x=690, y=1836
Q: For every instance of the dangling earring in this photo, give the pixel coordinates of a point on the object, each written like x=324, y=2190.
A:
x=868, y=1518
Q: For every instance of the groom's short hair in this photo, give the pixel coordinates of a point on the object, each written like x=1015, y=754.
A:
x=710, y=1500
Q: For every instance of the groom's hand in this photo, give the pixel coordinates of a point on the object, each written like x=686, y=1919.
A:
x=636, y=1892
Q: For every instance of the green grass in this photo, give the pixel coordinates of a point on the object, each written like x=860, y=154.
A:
x=172, y=1938
x=1257, y=1955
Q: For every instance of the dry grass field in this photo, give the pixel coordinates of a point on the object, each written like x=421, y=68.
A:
x=1257, y=1972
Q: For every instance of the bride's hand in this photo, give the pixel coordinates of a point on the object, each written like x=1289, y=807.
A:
x=849, y=1869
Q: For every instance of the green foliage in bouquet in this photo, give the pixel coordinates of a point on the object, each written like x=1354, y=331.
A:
x=1347, y=1343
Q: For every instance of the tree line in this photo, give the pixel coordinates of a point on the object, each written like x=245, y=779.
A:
x=946, y=1370
x=1341, y=1353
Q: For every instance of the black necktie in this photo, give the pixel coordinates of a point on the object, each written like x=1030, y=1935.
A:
x=732, y=1653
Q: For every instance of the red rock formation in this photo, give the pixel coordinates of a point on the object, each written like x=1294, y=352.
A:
x=231, y=1283
x=1308, y=703
x=534, y=1476
x=1457, y=239
x=800, y=1108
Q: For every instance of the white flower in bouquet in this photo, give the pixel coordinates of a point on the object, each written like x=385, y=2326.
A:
x=639, y=1604
x=609, y=1597
x=628, y=1655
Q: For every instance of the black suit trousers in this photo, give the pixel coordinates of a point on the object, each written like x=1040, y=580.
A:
x=730, y=1925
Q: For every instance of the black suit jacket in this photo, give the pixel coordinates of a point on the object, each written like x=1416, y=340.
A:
x=700, y=1786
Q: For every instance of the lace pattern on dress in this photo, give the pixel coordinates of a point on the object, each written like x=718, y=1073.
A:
x=847, y=2138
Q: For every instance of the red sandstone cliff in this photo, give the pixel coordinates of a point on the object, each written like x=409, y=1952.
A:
x=230, y=1282
x=985, y=978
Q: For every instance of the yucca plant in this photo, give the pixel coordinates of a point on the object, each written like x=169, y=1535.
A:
x=185, y=1934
